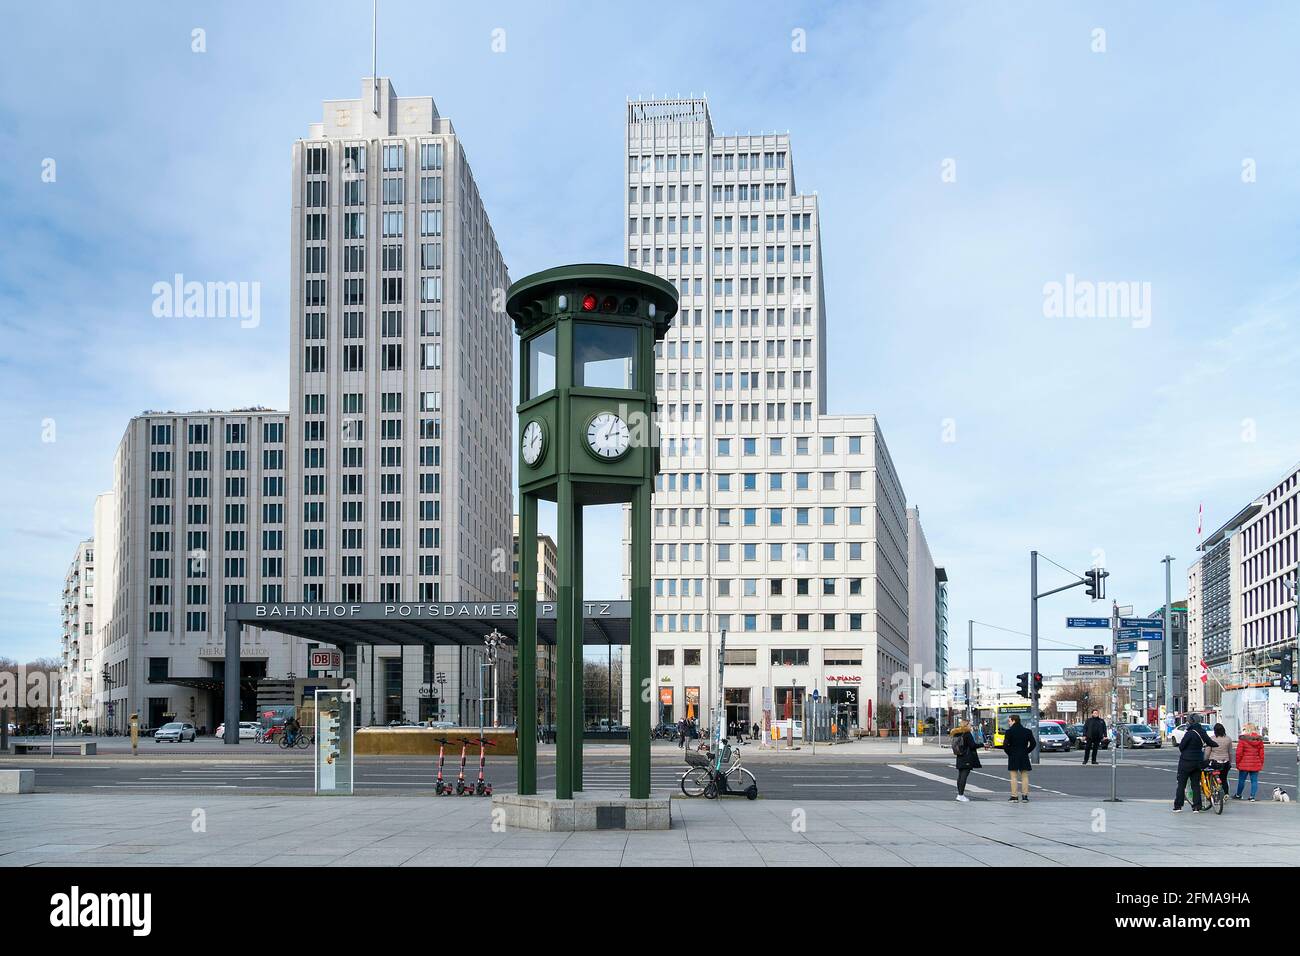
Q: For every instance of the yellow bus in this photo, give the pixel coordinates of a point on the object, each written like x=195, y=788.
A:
x=1004, y=713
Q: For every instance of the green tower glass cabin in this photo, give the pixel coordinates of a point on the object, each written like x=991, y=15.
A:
x=587, y=436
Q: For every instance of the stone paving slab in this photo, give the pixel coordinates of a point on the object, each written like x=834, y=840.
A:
x=146, y=829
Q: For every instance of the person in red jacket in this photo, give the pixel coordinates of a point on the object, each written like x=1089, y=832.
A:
x=1250, y=760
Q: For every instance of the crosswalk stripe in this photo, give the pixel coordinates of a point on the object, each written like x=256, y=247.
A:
x=934, y=776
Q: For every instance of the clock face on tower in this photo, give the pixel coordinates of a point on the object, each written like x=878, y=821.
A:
x=608, y=437
x=533, y=442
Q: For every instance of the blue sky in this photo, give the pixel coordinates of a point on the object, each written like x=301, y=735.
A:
x=1073, y=435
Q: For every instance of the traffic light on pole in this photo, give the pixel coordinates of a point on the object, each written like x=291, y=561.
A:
x=1096, y=579
x=1283, y=665
x=1022, y=684
x=1038, y=682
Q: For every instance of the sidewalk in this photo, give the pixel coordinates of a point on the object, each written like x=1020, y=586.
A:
x=158, y=829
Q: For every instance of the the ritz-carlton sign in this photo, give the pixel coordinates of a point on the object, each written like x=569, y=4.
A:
x=505, y=610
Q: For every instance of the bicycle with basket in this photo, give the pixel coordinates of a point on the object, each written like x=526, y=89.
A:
x=713, y=775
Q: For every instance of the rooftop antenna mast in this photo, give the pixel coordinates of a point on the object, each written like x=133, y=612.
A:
x=374, y=53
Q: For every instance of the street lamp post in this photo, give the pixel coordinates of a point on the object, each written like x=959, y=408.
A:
x=108, y=696
x=1168, y=562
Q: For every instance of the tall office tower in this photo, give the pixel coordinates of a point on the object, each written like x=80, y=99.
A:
x=781, y=524
x=199, y=524
x=1240, y=606
x=401, y=363
x=1215, y=610
x=76, y=679
x=941, y=625
x=923, y=600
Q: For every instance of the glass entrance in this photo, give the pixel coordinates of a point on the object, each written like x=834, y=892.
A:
x=738, y=713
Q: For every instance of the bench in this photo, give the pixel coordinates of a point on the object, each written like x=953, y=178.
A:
x=17, y=781
x=85, y=748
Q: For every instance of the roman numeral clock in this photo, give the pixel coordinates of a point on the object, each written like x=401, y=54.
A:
x=587, y=436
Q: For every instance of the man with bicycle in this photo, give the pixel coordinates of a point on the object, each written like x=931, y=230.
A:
x=1191, y=761
x=291, y=728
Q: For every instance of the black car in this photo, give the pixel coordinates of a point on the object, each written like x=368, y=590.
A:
x=665, y=730
x=1080, y=741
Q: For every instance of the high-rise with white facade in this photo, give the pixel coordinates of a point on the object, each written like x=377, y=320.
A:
x=1239, y=605
x=76, y=660
x=400, y=370
x=781, y=524
x=198, y=523
x=922, y=597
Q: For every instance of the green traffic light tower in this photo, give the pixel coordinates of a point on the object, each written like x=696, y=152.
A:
x=587, y=436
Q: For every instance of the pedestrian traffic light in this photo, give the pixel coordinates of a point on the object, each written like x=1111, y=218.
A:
x=1022, y=684
x=1096, y=579
x=1038, y=682
x=1283, y=665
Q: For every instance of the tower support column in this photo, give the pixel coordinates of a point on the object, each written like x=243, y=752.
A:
x=578, y=619
x=566, y=548
x=640, y=645
x=526, y=647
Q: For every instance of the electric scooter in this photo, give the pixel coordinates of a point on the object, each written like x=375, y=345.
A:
x=461, y=789
x=482, y=789
x=441, y=787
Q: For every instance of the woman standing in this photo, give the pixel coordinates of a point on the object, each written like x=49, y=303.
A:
x=968, y=757
x=1250, y=760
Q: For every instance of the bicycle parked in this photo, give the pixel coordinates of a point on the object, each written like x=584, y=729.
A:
x=713, y=775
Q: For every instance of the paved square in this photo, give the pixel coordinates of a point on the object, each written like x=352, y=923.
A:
x=123, y=829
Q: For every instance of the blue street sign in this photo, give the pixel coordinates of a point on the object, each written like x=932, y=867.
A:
x=1087, y=622
x=1130, y=634
x=1126, y=647
x=1094, y=660
x=1142, y=622
x=816, y=694
x=1153, y=635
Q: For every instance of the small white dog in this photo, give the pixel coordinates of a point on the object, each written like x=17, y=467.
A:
x=1281, y=796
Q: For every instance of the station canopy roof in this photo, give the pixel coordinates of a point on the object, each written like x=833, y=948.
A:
x=463, y=623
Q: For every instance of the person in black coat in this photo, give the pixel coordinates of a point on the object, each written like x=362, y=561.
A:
x=967, y=753
x=1019, y=743
x=1191, y=758
x=1094, y=732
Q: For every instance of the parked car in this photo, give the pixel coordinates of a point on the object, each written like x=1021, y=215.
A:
x=247, y=730
x=177, y=732
x=1052, y=738
x=437, y=724
x=1069, y=731
x=1139, y=736
x=1207, y=725
x=1080, y=741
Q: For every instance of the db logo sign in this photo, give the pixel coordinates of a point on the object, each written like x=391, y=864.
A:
x=326, y=660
